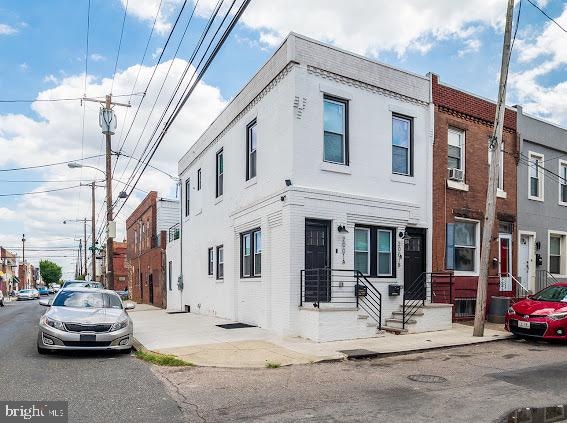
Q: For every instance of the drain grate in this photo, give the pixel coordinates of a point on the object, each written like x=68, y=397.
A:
x=427, y=378
x=235, y=326
x=359, y=353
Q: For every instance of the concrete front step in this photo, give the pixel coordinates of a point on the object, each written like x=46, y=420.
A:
x=397, y=331
x=401, y=313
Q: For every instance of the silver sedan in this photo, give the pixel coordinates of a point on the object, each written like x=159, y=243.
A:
x=85, y=319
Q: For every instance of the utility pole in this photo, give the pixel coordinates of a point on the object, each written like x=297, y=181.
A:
x=85, y=245
x=93, y=229
x=80, y=257
x=107, y=122
x=493, y=172
x=25, y=272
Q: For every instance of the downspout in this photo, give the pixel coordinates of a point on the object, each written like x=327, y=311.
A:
x=180, y=277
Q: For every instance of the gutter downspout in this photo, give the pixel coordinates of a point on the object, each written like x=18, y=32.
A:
x=180, y=278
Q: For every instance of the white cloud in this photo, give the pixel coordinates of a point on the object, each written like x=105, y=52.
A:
x=24, y=67
x=7, y=214
x=540, y=57
x=55, y=135
x=95, y=57
x=471, y=46
x=146, y=10
x=157, y=52
x=50, y=78
x=6, y=29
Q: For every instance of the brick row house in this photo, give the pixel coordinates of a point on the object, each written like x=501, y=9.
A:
x=146, y=230
x=8, y=277
x=463, y=128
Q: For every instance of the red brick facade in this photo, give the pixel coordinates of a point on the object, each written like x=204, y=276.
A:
x=146, y=254
x=474, y=116
x=121, y=273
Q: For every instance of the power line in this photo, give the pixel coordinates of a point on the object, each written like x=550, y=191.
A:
x=52, y=100
x=48, y=164
x=38, y=192
x=189, y=90
x=119, y=46
x=547, y=16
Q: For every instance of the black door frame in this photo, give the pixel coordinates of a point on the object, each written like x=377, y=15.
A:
x=327, y=224
x=421, y=232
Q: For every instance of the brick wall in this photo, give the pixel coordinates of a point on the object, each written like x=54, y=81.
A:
x=454, y=108
x=120, y=272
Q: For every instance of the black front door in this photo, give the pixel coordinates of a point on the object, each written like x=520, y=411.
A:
x=414, y=264
x=151, y=288
x=317, y=260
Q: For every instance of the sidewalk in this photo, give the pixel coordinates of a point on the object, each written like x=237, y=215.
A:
x=197, y=339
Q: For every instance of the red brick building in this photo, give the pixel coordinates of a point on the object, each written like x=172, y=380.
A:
x=121, y=273
x=146, y=254
x=463, y=126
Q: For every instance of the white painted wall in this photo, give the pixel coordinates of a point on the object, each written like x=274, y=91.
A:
x=167, y=214
x=172, y=254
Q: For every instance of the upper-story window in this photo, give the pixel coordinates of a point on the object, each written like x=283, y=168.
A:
x=220, y=173
x=335, y=128
x=401, y=145
x=199, y=182
x=251, y=143
x=563, y=182
x=536, y=180
x=187, y=195
x=135, y=241
x=456, y=154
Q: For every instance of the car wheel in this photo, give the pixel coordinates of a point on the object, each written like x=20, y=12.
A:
x=42, y=351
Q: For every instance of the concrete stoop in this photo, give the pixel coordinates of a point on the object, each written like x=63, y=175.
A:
x=427, y=318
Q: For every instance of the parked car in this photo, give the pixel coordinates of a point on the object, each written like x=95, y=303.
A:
x=123, y=294
x=1, y=299
x=56, y=287
x=542, y=315
x=85, y=319
x=84, y=284
x=43, y=290
x=27, y=294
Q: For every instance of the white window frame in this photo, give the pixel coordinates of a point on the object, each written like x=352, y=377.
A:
x=563, y=252
x=409, y=152
x=344, y=105
x=246, y=273
x=257, y=251
x=220, y=262
x=390, y=252
x=562, y=179
x=541, y=179
x=367, y=230
x=463, y=134
x=477, y=248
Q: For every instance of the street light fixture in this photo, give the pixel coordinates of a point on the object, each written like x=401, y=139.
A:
x=75, y=165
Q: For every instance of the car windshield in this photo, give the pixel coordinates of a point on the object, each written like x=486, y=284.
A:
x=25, y=291
x=82, y=299
x=552, y=293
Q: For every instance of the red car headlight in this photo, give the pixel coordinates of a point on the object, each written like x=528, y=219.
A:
x=558, y=316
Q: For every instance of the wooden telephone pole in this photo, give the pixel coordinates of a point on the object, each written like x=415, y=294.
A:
x=107, y=122
x=494, y=170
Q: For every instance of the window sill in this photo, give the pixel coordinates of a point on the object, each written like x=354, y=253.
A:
x=501, y=193
x=250, y=182
x=251, y=279
x=335, y=167
x=464, y=273
x=218, y=199
x=540, y=199
x=404, y=179
x=219, y=280
x=459, y=186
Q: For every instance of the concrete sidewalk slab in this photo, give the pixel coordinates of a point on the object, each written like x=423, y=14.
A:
x=197, y=339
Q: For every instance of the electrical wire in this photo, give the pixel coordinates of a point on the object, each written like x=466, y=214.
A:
x=52, y=100
x=119, y=46
x=48, y=165
x=38, y=192
x=547, y=16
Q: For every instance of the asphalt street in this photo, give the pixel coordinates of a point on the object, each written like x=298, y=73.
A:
x=481, y=383
x=98, y=387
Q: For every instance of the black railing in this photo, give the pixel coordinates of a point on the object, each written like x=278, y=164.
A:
x=429, y=287
x=173, y=233
x=544, y=279
x=338, y=286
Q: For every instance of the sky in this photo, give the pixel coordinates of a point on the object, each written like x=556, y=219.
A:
x=44, y=56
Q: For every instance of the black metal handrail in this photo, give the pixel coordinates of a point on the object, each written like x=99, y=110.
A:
x=430, y=287
x=544, y=279
x=340, y=286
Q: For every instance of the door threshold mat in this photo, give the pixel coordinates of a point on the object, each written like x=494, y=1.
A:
x=176, y=312
x=359, y=354
x=235, y=326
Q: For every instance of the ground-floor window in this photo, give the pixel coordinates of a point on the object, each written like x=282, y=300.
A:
x=556, y=253
x=374, y=251
x=251, y=253
x=211, y=259
x=220, y=262
x=462, y=246
x=169, y=270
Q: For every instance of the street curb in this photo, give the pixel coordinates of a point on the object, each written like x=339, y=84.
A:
x=137, y=345
x=421, y=350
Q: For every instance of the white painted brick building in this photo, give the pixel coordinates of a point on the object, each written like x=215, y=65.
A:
x=340, y=147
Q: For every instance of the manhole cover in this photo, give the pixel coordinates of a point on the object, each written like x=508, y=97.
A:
x=427, y=378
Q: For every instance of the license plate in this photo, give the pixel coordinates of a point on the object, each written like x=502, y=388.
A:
x=523, y=325
x=88, y=338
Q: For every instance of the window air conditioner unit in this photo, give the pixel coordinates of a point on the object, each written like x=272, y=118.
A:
x=456, y=174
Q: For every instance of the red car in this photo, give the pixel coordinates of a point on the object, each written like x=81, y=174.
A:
x=542, y=315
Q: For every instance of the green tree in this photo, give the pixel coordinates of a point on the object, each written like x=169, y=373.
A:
x=50, y=272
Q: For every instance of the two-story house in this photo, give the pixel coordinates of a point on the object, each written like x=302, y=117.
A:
x=146, y=230
x=542, y=202
x=309, y=195
x=463, y=129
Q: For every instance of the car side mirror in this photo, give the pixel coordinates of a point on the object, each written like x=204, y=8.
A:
x=129, y=305
x=45, y=303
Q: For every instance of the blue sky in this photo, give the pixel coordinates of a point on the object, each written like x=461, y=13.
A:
x=43, y=51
